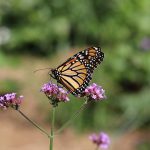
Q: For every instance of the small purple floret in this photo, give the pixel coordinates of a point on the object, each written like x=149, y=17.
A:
x=55, y=92
x=95, y=92
x=10, y=100
x=102, y=140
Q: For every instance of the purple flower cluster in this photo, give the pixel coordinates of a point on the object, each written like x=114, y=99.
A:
x=55, y=92
x=95, y=92
x=10, y=100
x=101, y=140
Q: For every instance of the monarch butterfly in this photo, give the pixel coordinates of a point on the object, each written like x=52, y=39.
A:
x=75, y=73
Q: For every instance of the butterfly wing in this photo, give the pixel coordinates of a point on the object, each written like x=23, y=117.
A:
x=75, y=73
x=91, y=57
x=75, y=76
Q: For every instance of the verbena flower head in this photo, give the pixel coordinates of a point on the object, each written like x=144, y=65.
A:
x=10, y=100
x=55, y=93
x=102, y=140
x=95, y=92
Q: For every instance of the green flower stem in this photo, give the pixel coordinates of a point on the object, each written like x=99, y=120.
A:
x=52, y=129
x=75, y=115
x=33, y=123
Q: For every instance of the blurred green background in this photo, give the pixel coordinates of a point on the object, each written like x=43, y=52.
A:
x=35, y=33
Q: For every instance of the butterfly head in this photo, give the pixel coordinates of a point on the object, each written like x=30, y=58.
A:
x=54, y=73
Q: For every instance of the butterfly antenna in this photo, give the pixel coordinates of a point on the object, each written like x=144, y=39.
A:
x=41, y=69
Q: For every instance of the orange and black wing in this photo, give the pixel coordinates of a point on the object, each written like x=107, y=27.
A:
x=75, y=73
